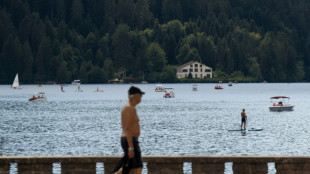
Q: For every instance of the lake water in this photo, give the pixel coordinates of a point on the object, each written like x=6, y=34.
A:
x=192, y=123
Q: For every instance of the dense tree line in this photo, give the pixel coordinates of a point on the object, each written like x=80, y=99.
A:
x=91, y=40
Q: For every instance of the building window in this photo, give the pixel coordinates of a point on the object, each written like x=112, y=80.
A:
x=196, y=65
x=200, y=70
x=191, y=65
x=207, y=70
x=196, y=70
x=190, y=70
x=185, y=70
x=200, y=65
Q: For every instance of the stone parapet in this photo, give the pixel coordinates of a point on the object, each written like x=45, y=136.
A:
x=158, y=164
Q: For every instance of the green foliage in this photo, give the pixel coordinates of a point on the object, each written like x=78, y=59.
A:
x=182, y=57
x=63, y=75
x=85, y=66
x=307, y=73
x=299, y=74
x=168, y=75
x=219, y=74
x=253, y=69
x=207, y=49
x=157, y=57
x=92, y=40
x=237, y=74
x=11, y=58
x=122, y=50
x=27, y=62
x=96, y=75
x=108, y=69
x=43, y=60
x=139, y=39
x=190, y=76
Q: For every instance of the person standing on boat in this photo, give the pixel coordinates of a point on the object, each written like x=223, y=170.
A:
x=243, y=119
x=131, y=133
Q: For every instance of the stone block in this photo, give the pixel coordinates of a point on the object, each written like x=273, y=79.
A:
x=78, y=168
x=109, y=167
x=35, y=168
x=290, y=168
x=167, y=168
x=4, y=168
x=208, y=168
x=250, y=168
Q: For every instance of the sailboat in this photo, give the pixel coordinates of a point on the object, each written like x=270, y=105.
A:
x=15, y=84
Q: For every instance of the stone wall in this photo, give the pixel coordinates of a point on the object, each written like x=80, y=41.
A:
x=158, y=164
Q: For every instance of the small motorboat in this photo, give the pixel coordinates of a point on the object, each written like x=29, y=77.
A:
x=218, y=86
x=159, y=88
x=169, y=93
x=40, y=96
x=280, y=103
x=76, y=82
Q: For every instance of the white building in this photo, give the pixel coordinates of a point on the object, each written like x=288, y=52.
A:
x=198, y=70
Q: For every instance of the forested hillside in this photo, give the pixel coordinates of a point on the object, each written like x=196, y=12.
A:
x=91, y=40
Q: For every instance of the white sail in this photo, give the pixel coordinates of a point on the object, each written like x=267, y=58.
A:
x=15, y=82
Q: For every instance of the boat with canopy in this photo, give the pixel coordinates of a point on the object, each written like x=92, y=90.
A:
x=280, y=103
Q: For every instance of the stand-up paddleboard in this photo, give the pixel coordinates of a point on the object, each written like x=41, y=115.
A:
x=252, y=129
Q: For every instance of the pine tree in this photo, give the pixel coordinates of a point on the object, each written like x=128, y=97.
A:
x=27, y=63
x=42, y=61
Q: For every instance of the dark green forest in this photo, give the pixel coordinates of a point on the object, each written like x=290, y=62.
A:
x=92, y=40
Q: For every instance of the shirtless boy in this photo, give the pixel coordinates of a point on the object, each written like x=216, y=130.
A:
x=243, y=118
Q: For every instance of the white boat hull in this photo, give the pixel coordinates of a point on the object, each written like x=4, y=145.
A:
x=38, y=99
x=281, y=108
x=76, y=82
x=169, y=95
x=159, y=90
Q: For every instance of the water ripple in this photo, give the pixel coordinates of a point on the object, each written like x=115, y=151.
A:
x=193, y=123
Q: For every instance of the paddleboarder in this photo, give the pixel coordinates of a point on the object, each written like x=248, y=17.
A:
x=243, y=119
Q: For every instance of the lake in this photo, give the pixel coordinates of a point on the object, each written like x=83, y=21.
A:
x=192, y=123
